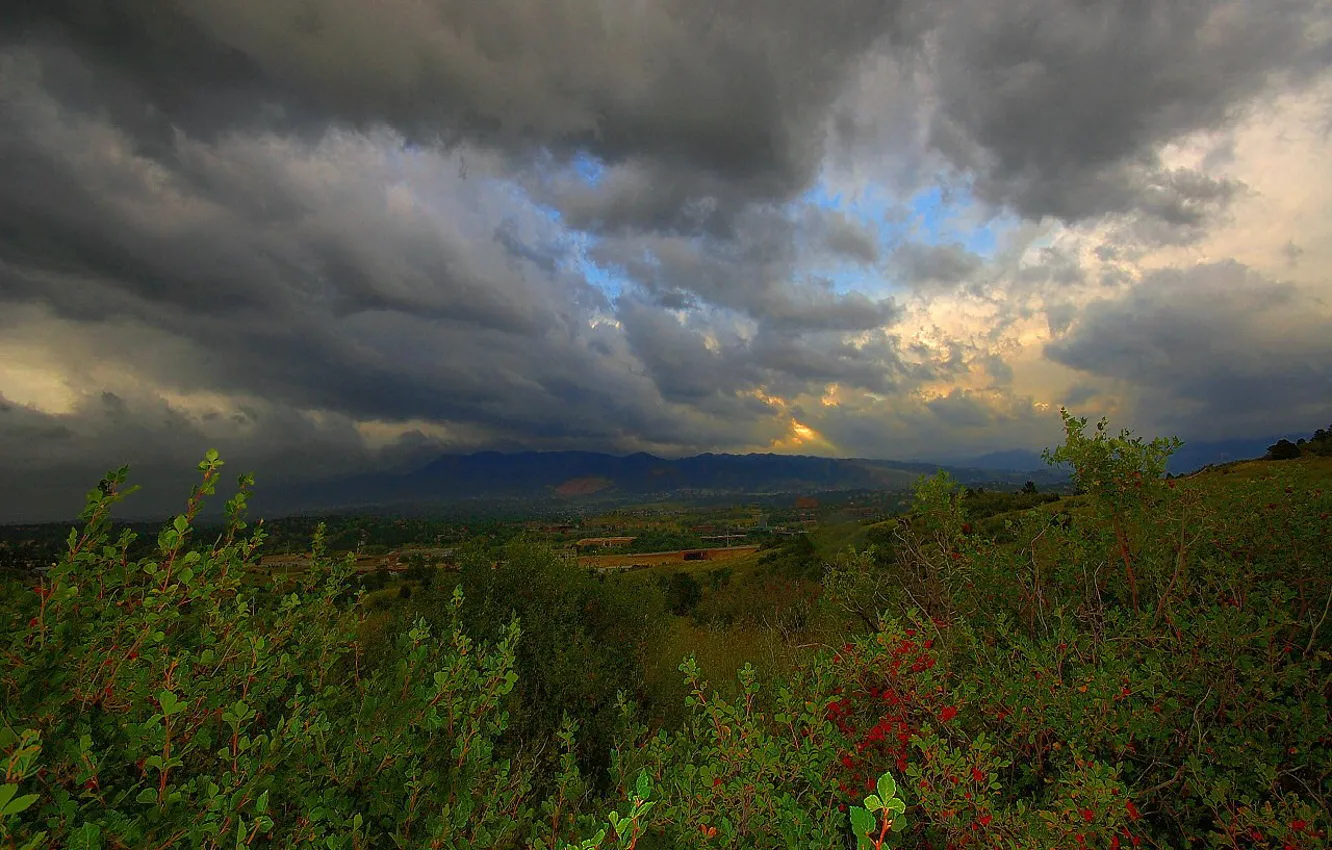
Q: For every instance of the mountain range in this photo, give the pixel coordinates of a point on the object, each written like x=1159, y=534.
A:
x=581, y=476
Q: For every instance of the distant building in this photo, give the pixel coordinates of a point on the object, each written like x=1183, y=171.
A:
x=603, y=542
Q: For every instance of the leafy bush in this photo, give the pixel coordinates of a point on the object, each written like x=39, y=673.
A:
x=1151, y=667
x=584, y=638
x=161, y=702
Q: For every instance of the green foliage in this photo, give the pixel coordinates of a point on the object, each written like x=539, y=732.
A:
x=1320, y=445
x=795, y=557
x=1283, y=450
x=741, y=773
x=883, y=816
x=584, y=638
x=682, y=592
x=1113, y=470
x=166, y=702
x=860, y=583
x=1147, y=668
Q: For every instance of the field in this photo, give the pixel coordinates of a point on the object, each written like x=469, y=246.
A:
x=659, y=559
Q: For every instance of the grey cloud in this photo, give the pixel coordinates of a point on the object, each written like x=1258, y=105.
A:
x=366, y=280
x=66, y=454
x=737, y=90
x=303, y=208
x=1059, y=106
x=678, y=358
x=1219, y=341
x=935, y=266
x=961, y=409
x=805, y=364
x=358, y=298
x=846, y=237
x=698, y=109
x=1292, y=253
x=754, y=272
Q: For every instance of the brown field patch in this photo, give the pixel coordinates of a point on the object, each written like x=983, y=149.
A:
x=657, y=559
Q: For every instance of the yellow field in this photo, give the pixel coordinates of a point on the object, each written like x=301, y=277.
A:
x=657, y=559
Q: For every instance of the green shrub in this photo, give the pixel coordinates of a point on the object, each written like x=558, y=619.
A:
x=1149, y=668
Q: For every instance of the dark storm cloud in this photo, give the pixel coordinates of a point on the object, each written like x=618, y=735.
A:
x=845, y=237
x=935, y=266
x=678, y=358
x=801, y=364
x=348, y=276
x=735, y=89
x=961, y=409
x=1218, y=339
x=66, y=454
x=330, y=214
x=1059, y=106
x=754, y=271
x=1056, y=105
x=352, y=295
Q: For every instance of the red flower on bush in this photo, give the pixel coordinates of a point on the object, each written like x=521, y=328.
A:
x=1298, y=825
x=1088, y=815
x=948, y=713
x=977, y=775
x=1132, y=809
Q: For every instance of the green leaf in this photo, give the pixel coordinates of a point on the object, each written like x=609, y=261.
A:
x=644, y=784
x=12, y=805
x=873, y=803
x=862, y=822
x=147, y=795
x=170, y=703
x=887, y=787
x=86, y=837
x=895, y=805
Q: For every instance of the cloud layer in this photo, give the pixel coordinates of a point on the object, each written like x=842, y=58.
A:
x=325, y=240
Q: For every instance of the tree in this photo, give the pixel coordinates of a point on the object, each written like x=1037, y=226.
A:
x=1283, y=450
x=581, y=637
x=1030, y=488
x=1118, y=473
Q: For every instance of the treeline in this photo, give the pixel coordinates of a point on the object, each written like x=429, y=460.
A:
x=1319, y=445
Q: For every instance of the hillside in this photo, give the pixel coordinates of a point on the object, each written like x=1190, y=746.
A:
x=1145, y=664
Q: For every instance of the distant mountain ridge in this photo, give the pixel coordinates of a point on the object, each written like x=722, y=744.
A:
x=1193, y=455
x=565, y=475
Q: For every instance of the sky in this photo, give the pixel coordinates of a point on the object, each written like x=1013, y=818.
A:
x=325, y=238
